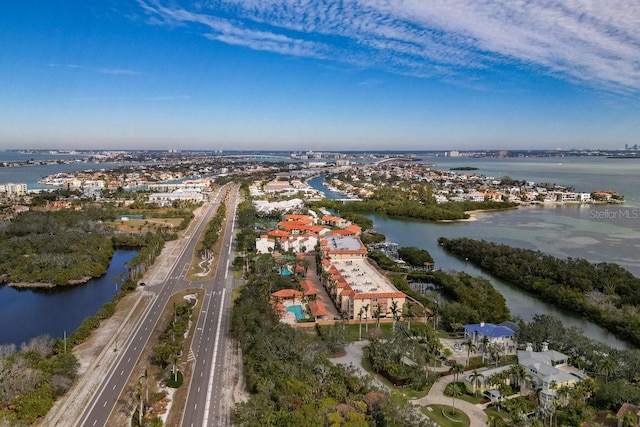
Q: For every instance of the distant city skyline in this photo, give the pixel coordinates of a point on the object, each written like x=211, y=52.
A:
x=319, y=75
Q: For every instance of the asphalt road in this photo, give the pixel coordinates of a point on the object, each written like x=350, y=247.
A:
x=216, y=300
x=203, y=407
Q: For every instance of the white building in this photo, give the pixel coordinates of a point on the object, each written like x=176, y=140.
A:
x=11, y=189
x=165, y=199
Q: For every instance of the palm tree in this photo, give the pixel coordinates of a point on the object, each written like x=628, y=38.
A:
x=408, y=314
x=475, y=378
x=377, y=313
x=174, y=361
x=493, y=419
x=517, y=373
x=394, y=312
x=360, y=323
x=456, y=370
x=471, y=347
x=485, y=343
x=606, y=367
x=366, y=317
x=456, y=391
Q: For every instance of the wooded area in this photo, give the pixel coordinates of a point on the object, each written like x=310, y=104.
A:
x=603, y=292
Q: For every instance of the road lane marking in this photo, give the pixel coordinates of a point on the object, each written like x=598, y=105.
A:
x=213, y=360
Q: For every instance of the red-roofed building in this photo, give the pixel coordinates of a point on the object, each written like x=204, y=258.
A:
x=280, y=234
x=343, y=247
x=307, y=288
x=303, y=219
x=287, y=294
x=335, y=221
x=318, y=310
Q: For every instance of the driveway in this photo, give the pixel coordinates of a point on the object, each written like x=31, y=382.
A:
x=353, y=357
x=436, y=396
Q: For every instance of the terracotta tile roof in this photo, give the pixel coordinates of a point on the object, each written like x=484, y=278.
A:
x=317, y=308
x=300, y=218
x=345, y=232
x=278, y=233
x=307, y=287
x=331, y=218
x=286, y=293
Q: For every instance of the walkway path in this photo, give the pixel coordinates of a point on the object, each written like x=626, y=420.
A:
x=353, y=357
x=436, y=396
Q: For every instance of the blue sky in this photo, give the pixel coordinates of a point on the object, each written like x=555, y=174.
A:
x=321, y=75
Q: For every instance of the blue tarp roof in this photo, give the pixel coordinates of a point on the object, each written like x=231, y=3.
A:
x=490, y=330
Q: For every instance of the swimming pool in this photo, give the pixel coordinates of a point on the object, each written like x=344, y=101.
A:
x=296, y=310
x=286, y=272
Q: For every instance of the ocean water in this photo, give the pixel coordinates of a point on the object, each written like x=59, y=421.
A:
x=598, y=233
x=584, y=174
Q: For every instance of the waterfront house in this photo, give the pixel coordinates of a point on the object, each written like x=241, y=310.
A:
x=549, y=370
x=496, y=334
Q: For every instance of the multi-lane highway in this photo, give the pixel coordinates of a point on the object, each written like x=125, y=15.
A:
x=203, y=406
x=203, y=402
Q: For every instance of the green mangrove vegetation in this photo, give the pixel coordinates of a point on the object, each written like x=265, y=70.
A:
x=606, y=293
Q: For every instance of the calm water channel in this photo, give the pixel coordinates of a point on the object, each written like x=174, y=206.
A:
x=596, y=233
x=25, y=314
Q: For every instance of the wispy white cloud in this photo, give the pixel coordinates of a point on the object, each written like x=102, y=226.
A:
x=70, y=66
x=106, y=70
x=118, y=71
x=590, y=41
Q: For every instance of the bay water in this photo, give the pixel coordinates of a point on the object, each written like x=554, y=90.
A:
x=26, y=313
x=598, y=233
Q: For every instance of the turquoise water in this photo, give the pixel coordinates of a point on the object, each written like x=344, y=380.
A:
x=297, y=310
x=286, y=272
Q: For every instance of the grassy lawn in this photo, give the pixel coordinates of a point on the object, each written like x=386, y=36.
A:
x=475, y=362
x=467, y=397
x=472, y=399
x=459, y=419
x=353, y=330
